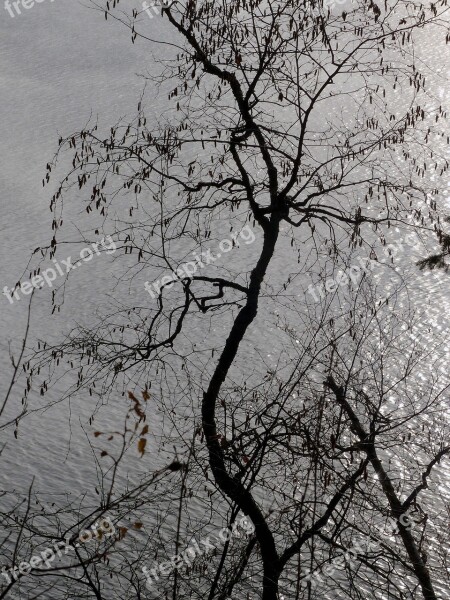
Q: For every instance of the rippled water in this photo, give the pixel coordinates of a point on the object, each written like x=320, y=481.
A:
x=61, y=64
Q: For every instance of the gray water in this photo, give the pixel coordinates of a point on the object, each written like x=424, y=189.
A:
x=61, y=65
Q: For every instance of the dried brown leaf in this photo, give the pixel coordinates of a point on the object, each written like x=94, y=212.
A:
x=141, y=446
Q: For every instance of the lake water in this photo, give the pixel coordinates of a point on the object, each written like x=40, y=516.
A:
x=62, y=64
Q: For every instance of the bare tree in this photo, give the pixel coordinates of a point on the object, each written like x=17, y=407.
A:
x=311, y=128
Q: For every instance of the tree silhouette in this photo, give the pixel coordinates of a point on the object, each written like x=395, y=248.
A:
x=310, y=127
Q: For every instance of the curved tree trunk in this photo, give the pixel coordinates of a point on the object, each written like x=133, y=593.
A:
x=232, y=486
